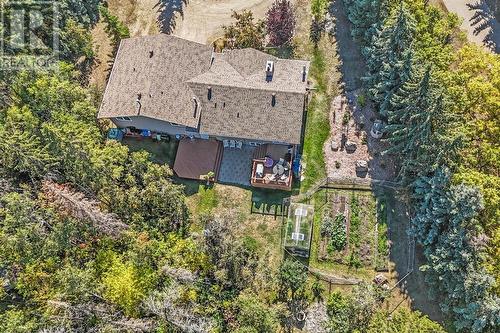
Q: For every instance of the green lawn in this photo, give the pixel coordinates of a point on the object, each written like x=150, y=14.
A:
x=317, y=125
x=161, y=152
x=324, y=75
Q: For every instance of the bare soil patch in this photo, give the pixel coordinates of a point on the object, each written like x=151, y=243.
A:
x=103, y=57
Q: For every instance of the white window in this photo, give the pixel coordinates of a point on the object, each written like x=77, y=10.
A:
x=124, y=118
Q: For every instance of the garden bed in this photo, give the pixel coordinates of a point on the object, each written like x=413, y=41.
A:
x=348, y=230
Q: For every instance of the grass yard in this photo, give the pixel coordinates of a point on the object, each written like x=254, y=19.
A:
x=234, y=203
x=161, y=152
x=324, y=77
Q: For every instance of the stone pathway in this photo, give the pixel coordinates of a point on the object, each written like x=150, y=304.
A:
x=236, y=166
x=341, y=164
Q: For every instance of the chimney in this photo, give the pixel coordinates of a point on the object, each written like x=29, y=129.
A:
x=304, y=73
x=151, y=53
x=269, y=70
x=273, y=100
x=209, y=94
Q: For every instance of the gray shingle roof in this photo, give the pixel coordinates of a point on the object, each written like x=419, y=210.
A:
x=180, y=70
x=161, y=79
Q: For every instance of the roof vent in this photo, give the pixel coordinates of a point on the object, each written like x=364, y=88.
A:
x=273, y=100
x=151, y=53
x=209, y=95
x=304, y=73
x=269, y=70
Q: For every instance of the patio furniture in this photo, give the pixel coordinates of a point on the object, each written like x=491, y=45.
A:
x=350, y=146
x=226, y=143
x=296, y=166
x=278, y=169
x=239, y=144
x=115, y=134
x=259, y=172
x=361, y=166
x=377, y=130
x=281, y=161
x=268, y=162
x=284, y=177
x=146, y=133
x=232, y=143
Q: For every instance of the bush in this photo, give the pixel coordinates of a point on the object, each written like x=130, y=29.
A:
x=354, y=260
x=346, y=118
x=361, y=100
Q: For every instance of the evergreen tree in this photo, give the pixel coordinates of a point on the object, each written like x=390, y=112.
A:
x=417, y=128
x=367, y=16
x=388, y=53
x=445, y=223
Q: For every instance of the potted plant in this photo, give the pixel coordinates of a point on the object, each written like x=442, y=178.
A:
x=209, y=177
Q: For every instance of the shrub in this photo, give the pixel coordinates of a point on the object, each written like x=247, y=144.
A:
x=361, y=100
x=346, y=118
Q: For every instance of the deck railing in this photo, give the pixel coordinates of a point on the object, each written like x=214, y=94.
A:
x=266, y=182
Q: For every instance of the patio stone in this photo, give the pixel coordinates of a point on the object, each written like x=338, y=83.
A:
x=236, y=166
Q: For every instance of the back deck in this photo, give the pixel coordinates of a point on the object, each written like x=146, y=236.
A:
x=196, y=158
x=272, y=167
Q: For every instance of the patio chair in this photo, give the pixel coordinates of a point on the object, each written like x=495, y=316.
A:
x=259, y=172
x=226, y=143
x=232, y=144
x=284, y=177
x=281, y=161
x=239, y=144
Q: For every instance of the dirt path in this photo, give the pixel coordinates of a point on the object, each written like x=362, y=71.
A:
x=478, y=21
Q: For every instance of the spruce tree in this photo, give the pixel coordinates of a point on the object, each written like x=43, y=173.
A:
x=367, y=17
x=388, y=53
x=416, y=128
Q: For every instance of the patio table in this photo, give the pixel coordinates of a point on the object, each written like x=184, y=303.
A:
x=268, y=162
x=279, y=169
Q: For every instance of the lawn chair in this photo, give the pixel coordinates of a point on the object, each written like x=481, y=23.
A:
x=239, y=144
x=226, y=143
x=232, y=144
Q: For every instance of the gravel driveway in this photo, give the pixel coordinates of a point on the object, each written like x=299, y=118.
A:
x=202, y=20
x=478, y=21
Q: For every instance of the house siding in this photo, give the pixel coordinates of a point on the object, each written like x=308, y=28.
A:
x=164, y=127
x=155, y=125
